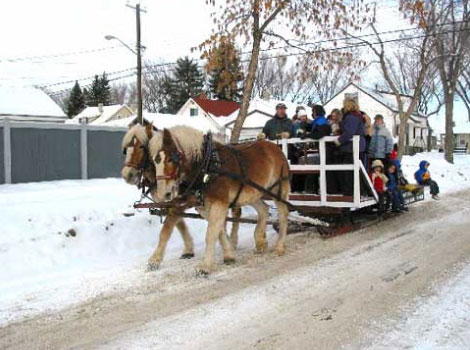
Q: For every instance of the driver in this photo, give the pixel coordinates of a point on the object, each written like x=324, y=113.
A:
x=278, y=126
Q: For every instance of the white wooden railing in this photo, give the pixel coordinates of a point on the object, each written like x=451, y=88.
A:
x=357, y=167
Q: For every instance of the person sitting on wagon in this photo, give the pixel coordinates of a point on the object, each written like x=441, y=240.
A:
x=423, y=177
x=395, y=197
x=379, y=181
x=381, y=142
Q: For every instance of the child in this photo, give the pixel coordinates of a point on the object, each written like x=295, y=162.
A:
x=423, y=177
x=393, y=192
x=379, y=180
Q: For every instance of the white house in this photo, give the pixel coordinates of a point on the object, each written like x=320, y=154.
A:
x=28, y=104
x=373, y=102
x=101, y=115
x=214, y=111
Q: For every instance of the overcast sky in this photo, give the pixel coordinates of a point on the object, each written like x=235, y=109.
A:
x=169, y=29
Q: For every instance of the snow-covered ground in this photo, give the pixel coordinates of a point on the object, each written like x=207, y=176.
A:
x=439, y=322
x=67, y=241
x=45, y=265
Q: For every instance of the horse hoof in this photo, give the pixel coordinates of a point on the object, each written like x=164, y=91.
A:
x=152, y=266
x=187, y=256
x=229, y=261
x=280, y=251
x=202, y=273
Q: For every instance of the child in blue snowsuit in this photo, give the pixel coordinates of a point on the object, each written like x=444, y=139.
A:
x=423, y=177
x=394, y=194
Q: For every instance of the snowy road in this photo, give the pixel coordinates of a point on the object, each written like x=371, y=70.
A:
x=362, y=290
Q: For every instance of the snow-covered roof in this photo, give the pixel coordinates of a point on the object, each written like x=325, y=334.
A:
x=162, y=120
x=94, y=112
x=28, y=101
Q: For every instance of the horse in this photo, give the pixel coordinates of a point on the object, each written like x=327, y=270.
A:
x=138, y=167
x=179, y=159
x=139, y=170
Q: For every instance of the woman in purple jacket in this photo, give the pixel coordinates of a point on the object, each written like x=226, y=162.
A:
x=351, y=124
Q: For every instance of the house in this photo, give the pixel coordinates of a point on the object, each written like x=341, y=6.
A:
x=374, y=102
x=461, y=132
x=101, y=115
x=259, y=112
x=29, y=104
x=213, y=110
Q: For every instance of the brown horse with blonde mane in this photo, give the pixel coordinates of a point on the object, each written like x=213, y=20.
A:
x=179, y=157
x=139, y=170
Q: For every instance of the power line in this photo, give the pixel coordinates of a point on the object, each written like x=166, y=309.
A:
x=360, y=44
x=27, y=58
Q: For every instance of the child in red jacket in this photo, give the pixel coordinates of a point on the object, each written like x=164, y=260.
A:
x=379, y=180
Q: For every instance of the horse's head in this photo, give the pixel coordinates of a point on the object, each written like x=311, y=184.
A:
x=168, y=160
x=135, y=148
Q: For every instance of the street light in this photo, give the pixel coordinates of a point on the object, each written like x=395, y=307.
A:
x=112, y=37
x=139, y=69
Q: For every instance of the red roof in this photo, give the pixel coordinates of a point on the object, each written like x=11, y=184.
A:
x=218, y=108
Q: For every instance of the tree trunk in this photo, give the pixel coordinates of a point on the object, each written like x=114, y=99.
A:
x=247, y=88
x=449, y=143
x=402, y=136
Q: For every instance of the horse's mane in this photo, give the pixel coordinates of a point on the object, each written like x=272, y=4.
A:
x=137, y=131
x=188, y=140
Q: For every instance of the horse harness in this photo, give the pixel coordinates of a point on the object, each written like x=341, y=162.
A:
x=211, y=167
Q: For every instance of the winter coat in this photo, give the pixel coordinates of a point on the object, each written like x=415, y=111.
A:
x=392, y=183
x=320, y=128
x=422, y=175
x=302, y=128
x=352, y=124
x=276, y=126
x=381, y=143
x=402, y=181
x=379, y=181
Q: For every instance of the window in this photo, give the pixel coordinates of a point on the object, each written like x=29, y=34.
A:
x=193, y=112
x=352, y=96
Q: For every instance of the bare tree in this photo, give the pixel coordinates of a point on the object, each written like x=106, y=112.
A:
x=253, y=21
x=406, y=90
x=450, y=25
x=463, y=86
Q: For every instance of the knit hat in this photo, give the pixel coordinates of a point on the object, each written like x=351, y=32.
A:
x=301, y=112
x=377, y=163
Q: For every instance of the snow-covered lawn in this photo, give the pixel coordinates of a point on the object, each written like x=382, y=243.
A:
x=65, y=241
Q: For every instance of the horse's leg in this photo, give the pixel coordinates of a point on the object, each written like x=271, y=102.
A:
x=236, y=214
x=216, y=220
x=188, y=251
x=165, y=234
x=283, y=212
x=229, y=253
x=260, y=230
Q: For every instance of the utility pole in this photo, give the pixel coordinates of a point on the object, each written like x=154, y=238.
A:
x=139, y=62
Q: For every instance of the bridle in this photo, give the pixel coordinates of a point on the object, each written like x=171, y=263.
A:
x=176, y=157
x=140, y=167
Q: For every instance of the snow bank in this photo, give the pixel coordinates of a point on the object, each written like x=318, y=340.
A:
x=65, y=241
x=450, y=177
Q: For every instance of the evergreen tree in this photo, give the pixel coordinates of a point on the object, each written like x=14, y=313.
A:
x=224, y=70
x=187, y=81
x=100, y=91
x=76, y=101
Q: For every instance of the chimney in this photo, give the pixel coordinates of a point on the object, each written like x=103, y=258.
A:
x=100, y=108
